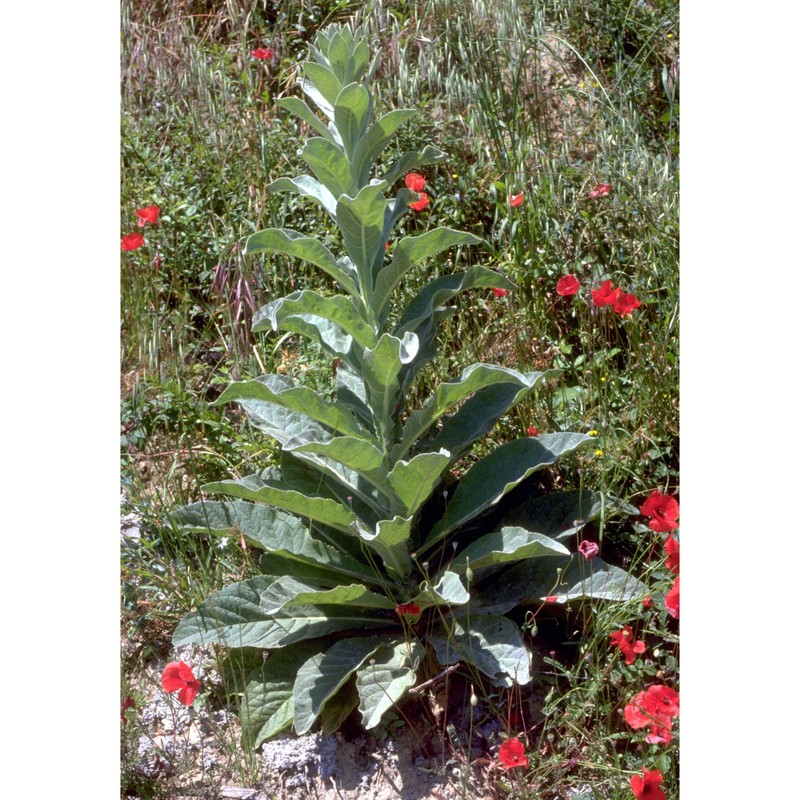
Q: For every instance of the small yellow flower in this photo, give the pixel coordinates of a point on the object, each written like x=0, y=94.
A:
x=592, y=432
x=669, y=36
x=595, y=84
x=454, y=175
x=581, y=85
x=598, y=452
x=602, y=380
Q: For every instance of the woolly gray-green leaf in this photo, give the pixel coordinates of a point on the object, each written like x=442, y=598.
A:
x=503, y=546
x=361, y=219
x=375, y=140
x=448, y=590
x=338, y=309
x=447, y=395
x=273, y=531
x=390, y=541
x=386, y=678
x=279, y=390
x=351, y=113
x=410, y=250
x=493, y=644
x=499, y=472
x=325, y=82
x=293, y=243
x=380, y=368
x=306, y=186
x=357, y=454
x=301, y=109
x=263, y=487
x=288, y=591
x=412, y=160
x=324, y=674
x=413, y=481
x=330, y=165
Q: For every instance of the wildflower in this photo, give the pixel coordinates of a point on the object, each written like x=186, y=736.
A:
x=178, y=677
x=672, y=599
x=593, y=432
x=664, y=510
x=656, y=707
x=672, y=549
x=515, y=200
x=606, y=295
x=647, y=602
x=648, y=785
x=532, y=431
x=261, y=53
x=132, y=241
x=149, y=214
x=415, y=182
x=588, y=549
x=423, y=201
x=624, y=641
x=601, y=190
x=551, y=598
x=499, y=292
x=625, y=304
x=568, y=285
x=512, y=754
x=408, y=608
x=598, y=452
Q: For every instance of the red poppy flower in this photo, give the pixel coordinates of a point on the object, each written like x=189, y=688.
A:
x=647, y=602
x=625, y=304
x=532, y=431
x=178, y=677
x=149, y=214
x=515, y=200
x=551, y=598
x=648, y=785
x=664, y=510
x=606, y=295
x=672, y=599
x=656, y=707
x=672, y=547
x=415, y=182
x=423, y=201
x=568, y=285
x=132, y=241
x=512, y=754
x=499, y=292
x=588, y=549
x=407, y=608
x=262, y=53
x=624, y=641
x=601, y=190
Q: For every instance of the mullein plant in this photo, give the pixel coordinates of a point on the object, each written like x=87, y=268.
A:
x=373, y=574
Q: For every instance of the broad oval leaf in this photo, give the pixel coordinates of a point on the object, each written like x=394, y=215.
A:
x=288, y=591
x=330, y=165
x=414, y=481
x=351, y=113
x=308, y=187
x=504, y=546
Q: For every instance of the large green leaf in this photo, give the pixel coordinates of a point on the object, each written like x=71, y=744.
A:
x=361, y=220
x=559, y=515
x=503, y=469
x=330, y=335
x=273, y=531
x=306, y=186
x=293, y=243
x=411, y=250
x=503, y=546
x=492, y=643
x=267, y=703
x=412, y=160
x=337, y=309
x=375, y=140
x=447, y=395
x=536, y=579
x=324, y=674
x=390, y=541
x=448, y=590
x=287, y=591
x=380, y=368
x=264, y=487
x=330, y=165
x=386, y=678
x=478, y=415
x=352, y=112
x=280, y=390
x=325, y=82
x=316, y=97
x=301, y=109
x=413, y=481
x=441, y=290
